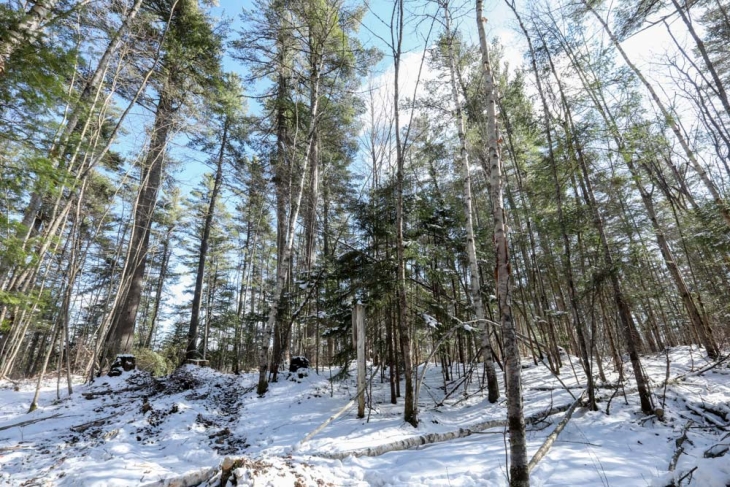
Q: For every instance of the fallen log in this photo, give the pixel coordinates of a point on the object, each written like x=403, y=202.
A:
x=28, y=422
x=414, y=441
x=80, y=428
x=95, y=394
x=189, y=479
x=545, y=448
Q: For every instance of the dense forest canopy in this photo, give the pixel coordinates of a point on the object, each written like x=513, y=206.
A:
x=182, y=185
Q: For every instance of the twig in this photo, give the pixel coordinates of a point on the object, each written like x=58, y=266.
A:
x=688, y=474
x=680, y=449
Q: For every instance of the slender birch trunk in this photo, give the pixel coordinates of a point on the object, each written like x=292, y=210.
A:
x=519, y=473
x=474, y=287
x=25, y=31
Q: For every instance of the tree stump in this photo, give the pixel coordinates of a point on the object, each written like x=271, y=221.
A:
x=197, y=361
x=123, y=363
x=298, y=363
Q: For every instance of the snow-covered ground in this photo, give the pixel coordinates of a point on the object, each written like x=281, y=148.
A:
x=136, y=430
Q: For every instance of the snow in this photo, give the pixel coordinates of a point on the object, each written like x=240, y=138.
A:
x=148, y=430
x=430, y=320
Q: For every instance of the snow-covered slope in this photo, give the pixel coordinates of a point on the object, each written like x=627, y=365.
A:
x=136, y=430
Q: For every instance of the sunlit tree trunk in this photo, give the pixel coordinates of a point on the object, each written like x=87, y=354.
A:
x=519, y=473
x=474, y=287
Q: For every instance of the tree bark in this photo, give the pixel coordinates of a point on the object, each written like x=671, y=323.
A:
x=474, y=285
x=410, y=413
x=519, y=473
x=121, y=340
x=567, y=256
x=191, y=351
x=25, y=31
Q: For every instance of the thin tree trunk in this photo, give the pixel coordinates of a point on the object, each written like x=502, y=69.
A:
x=583, y=346
x=474, y=288
x=519, y=473
x=265, y=356
x=669, y=119
x=191, y=350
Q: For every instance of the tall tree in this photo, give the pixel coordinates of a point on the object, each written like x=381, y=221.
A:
x=191, y=57
x=228, y=109
x=519, y=473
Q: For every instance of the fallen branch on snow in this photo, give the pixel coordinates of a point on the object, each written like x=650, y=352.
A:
x=340, y=412
x=189, y=479
x=545, y=448
x=680, y=449
x=413, y=441
x=97, y=422
x=30, y=421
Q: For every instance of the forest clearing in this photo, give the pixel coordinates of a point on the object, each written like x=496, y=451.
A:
x=105, y=435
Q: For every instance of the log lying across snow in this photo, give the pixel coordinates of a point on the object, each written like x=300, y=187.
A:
x=414, y=441
x=28, y=422
x=189, y=479
x=545, y=448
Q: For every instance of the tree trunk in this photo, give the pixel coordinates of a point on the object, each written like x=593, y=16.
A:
x=519, y=473
x=410, y=413
x=474, y=288
x=166, y=252
x=25, y=31
x=121, y=339
x=669, y=119
x=191, y=350
x=265, y=356
x=583, y=346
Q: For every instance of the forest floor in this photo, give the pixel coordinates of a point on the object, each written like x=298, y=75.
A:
x=139, y=430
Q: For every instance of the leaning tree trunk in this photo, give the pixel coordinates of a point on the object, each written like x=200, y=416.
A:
x=203, y=252
x=669, y=119
x=121, y=339
x=25, y=30
x=698, y=321
x=719, y=86
x=631, y=334
x=519, y=473
x=695, y=316
x=583, y=344
x=476, y=295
